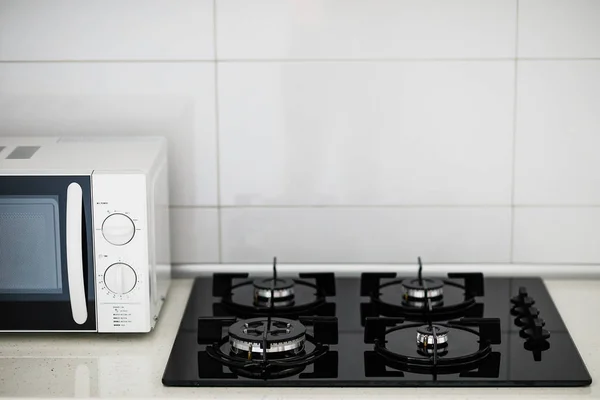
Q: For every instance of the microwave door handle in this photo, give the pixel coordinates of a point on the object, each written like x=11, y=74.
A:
x=75, y=254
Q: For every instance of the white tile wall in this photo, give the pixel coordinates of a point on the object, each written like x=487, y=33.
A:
x=366, y=133
x=557, y=235
x=334, y=130
x=386, y=235
x=176, y=100
x=559, y=28
x=558, y=133
x=351, y=29
x=106, y=30
x=195, y=235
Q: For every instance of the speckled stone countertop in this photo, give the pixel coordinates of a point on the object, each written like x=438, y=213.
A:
x=93, y=365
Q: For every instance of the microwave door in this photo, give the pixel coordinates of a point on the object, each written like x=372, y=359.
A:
x=46, y=254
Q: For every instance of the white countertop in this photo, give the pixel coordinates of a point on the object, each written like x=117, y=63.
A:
x=93, y=365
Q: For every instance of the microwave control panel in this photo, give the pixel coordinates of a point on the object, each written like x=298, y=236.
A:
x=121, y=252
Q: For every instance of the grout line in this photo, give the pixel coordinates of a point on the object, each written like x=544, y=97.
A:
x=357, y=60
x=217, y=137
x=278, y=206
x=180, y=207
x=557, y=59
x=514, y=138
x=103, y=61
x=391, y=263
x=392, y=60
x=556, y=206
x=308, y=60
x=351, y=206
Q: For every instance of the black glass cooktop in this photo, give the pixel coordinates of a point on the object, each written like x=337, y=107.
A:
x=372, y=330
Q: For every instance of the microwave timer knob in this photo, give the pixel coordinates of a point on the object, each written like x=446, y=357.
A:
x=118, y=229
x=120, y=278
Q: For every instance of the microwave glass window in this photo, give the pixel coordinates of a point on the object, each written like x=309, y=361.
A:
x=30, y=259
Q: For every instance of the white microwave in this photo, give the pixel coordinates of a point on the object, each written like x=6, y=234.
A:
x=84, y=233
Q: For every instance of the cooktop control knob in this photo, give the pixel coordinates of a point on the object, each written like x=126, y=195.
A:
x=118, y=229
x=120, y=278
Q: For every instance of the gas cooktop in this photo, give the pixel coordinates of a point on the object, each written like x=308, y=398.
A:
x=376, y=330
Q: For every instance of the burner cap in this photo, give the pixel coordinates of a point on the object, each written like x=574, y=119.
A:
x=425, y=338
x=280, y=284
x=281, y=336
x=431, y=288
x=282, y=290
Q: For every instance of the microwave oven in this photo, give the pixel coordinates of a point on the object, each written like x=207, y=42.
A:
x=84, y=233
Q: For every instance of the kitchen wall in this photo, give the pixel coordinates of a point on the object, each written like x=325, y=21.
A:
x=344, y=131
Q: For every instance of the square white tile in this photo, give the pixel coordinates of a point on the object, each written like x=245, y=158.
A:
x=342, y=29
x=557, y=140
x=366, y=235
x=557, y=235
x=176, y=100
x=366, y=133
x=559, y=28
x=107, y=30
x=194, y=235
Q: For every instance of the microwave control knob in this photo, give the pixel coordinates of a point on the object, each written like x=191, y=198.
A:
x=118, y=229
x=120, y=278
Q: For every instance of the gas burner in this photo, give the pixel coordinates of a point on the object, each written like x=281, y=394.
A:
x=278, y=291
x=421, y=292
x=266, y=347
x=424, y=299
x=279, y=335
x=428, y=335
x=422, y=304
x=426, y=288
x=273, y=296
x=433, y=356
x=432, y=339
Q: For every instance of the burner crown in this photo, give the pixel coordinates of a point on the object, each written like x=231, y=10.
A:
x=276, y=290
x=280, y=335
x=427, y=335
